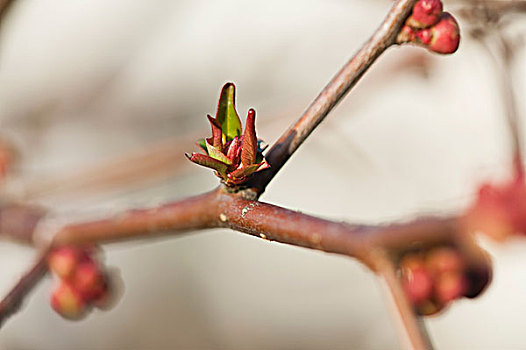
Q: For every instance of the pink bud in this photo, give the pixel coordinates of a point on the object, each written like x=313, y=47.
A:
x=445, y=35
x=104, y=296
x=67, y=302
x=450, y=286
x=63, y=261
x=425, y=13
x=423, y=36
x=418, y=285
x=89, y=281
x=444, y=260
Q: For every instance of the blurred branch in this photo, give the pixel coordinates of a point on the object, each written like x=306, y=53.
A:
x=490, y=9
x=501, y=48
x=335, y=90
x=11, y=303
x=412, y=326
x=155, y=162
x=506, y=55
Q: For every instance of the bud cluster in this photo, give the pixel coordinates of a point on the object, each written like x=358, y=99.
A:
x=431, y=27
x=499, y=210
x=82, y=281
x=233, y=156
x=433, y=278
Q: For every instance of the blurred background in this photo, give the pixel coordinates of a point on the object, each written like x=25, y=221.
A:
x=102, y=98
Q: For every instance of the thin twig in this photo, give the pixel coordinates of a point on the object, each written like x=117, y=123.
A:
x=506, y=56
x=158, y=161
x=11, y=303
x=335, y=90
x=488, y=19
x=502, y=54
x=151, y=163
x=414, y=329
x=495, y=8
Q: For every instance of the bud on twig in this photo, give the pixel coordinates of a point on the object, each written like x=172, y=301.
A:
x=429, y=27
x=68, y=302
x=432, y=278
x=445, y=35
x=425, y=13
x=63, y=261
x=233, y=156
x=83, y=282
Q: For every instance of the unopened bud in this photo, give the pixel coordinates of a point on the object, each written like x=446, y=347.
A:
x=425, y=13
x=67, y=302
x=89, y=281
x=450, y=286
x=445, y=35
x=444, y=260
x=418, y=285
x=63, y=261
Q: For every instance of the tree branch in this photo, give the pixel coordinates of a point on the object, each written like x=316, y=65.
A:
x=335, y=90
x=189, y=214
x=491, y=9
x=275, y=223
x=155, y=162
x=487, y=31
x=11, y=303
x=504, y=64
x=220, y=208
x=414, y=330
